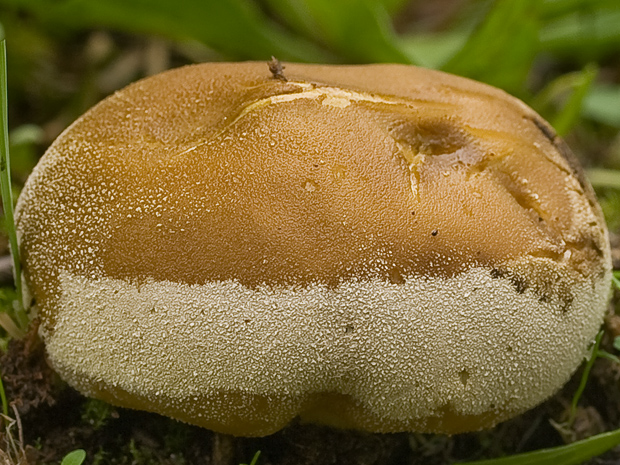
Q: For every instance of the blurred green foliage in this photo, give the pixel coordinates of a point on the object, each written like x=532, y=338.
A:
x=506, y=38
x=603, y=104
x=502, y=48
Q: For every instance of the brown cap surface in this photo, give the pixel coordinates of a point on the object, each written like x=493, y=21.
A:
x=382, y=247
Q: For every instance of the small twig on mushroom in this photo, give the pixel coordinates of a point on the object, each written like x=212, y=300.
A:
x=277, y=69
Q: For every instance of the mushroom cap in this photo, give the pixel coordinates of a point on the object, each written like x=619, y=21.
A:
x=379, y=247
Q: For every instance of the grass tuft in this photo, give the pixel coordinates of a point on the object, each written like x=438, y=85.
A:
x=21, y=319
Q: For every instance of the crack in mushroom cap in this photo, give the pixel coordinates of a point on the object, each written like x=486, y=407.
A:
x=379, y=247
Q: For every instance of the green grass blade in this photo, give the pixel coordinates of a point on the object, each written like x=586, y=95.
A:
x=435, y=50
x=588, y=32
x=75, y=457
x=571, y=454
x=568, y=92
x=5, y=404
x=359, y=30
x=603, y=105
x=11, y=327
x=584, y=379
x=254, y=459
x=5, y=173
x=564, y=121
x=485, y=56
x=601, y=177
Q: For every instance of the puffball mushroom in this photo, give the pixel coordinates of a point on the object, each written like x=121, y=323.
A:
x=382, y=247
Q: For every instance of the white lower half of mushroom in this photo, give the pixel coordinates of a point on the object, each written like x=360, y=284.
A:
x=432, y=354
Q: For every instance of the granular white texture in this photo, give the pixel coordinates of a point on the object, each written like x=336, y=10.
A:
x=470, y=344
